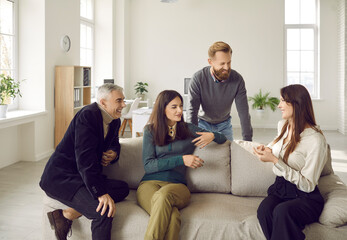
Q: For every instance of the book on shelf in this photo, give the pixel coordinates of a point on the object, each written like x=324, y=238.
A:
x=86, y=76
x=77, y=102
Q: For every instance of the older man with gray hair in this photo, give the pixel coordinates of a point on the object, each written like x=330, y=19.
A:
x=73, y=174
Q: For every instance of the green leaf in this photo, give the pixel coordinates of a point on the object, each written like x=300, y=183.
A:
x=9, y=88
x=140, y=87
x=261, y=101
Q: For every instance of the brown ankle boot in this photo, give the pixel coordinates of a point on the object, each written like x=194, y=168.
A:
x=59, y=223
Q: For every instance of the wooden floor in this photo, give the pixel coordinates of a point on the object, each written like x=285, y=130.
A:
x=21, y=197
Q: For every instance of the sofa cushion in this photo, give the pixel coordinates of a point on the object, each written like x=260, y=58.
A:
x=130, y=221
x=129, y=167
x=249, y=175
x=202, y=219
x=220, y=216
x=214, y=176
x=334, y=192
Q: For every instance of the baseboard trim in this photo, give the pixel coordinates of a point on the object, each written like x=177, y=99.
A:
x=43, y=155
x=5, y=164
x=271, y=126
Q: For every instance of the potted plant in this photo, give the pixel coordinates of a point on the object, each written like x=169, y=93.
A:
x=141, y=89
x=9, y=88
x=260, y=102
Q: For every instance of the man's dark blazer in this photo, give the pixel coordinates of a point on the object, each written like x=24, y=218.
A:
x=77, y=158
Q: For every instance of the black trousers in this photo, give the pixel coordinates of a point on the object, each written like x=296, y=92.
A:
x=84, y=203
x=286, y=210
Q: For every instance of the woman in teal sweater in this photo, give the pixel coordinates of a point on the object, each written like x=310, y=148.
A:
x=168, y=146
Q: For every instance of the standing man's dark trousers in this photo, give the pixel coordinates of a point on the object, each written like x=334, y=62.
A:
x=286, y=210
x=84, y=203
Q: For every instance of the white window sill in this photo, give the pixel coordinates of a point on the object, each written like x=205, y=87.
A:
x=317, y=100
x=17, y=117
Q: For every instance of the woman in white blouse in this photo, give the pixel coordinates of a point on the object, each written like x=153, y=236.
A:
x=299, y=155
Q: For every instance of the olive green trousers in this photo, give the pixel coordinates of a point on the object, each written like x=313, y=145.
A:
x=162, y=200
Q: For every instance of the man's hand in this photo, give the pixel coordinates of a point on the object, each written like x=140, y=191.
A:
x=104, y=202
x=204, y=139
x=192, y=161
x=108, y=157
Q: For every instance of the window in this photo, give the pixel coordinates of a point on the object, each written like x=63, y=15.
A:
x=8, y=42
x=301, y=44
x=87, y=36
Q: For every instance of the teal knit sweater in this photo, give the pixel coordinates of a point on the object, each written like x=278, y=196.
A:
x=165, y=163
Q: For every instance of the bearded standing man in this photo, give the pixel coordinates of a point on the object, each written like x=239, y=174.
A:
x=215, y=88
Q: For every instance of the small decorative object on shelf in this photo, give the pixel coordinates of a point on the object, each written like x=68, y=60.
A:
x=110, y=80
x=86, y=76
x=260, y=101
x=9, y=88
x=141, y=89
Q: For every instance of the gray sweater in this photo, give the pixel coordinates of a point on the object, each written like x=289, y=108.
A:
x=216, y=100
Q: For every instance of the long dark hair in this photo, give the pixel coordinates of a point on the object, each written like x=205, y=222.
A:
x=303, y=115
x=158, y=121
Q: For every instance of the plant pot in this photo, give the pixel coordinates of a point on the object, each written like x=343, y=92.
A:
x=260, y=113
x=3, y=111
x=141, y=96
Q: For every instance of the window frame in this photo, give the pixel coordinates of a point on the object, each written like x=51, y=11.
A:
x=90, y=23
x=315, y=27
x=14, y=105
x=82, y=22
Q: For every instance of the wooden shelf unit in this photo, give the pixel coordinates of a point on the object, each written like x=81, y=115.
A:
x=72, y=93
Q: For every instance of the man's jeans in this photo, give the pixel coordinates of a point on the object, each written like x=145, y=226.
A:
x=223, y=127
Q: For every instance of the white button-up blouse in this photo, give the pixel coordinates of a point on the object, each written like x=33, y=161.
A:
x=306, y=163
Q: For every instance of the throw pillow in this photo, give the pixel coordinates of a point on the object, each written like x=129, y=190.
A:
x=334, y=192
x=214, y=176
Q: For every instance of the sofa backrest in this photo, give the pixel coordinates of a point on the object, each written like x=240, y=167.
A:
x=328, y=168
x=250, y=176
x=228, y=168
x=214, y=176
x=129, y=167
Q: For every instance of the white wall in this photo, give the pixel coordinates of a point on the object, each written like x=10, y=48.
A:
x=103, y=44
x=32, y=54
x=61, y=18
x=342, y=86
x=8, y=146
x=122, y=44
x=326, y=110
x=169, y=42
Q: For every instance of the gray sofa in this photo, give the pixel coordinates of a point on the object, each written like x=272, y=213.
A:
x=226, y=193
